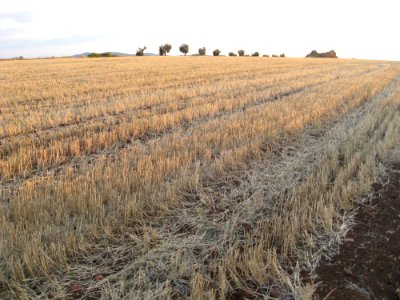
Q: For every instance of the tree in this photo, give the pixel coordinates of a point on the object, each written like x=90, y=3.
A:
x=161, y=50
x=282, y=55
x=140, y=51
x=164, y=49
x=184, y=48
x=241, y=52
x=202, y=51
x=216, y=52
x=232, y=54
x=255, y=54
x=167, y=48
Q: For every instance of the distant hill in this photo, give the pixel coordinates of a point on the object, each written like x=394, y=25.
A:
x=85, y=54
x=117, y=54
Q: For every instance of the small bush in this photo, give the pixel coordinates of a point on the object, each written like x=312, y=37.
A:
x=232, y=54
x=330, y=54
x=255, y=54
x=105, y=54
x=216, y=52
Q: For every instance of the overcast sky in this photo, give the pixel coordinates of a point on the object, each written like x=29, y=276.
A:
x=360, y=29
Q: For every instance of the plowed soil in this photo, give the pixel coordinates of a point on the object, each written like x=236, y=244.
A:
x=368, y=265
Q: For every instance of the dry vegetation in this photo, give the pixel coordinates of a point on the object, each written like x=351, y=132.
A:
x=169, y=177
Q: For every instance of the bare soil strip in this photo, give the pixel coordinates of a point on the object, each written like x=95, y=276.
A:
x=367, y=266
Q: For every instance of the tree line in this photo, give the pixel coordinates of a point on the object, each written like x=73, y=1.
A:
x=163, y=50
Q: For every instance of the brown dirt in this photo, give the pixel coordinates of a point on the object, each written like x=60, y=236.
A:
x=368, y=265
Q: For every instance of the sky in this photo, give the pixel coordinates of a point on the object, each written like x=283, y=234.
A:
x=354, y=29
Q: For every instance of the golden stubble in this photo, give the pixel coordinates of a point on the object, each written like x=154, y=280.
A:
x=93, y=147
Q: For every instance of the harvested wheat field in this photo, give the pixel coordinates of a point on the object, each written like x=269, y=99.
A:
x=185, y=177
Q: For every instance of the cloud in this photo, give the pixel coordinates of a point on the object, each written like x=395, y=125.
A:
x=8, y=33
x=18, y=17
x=14, y=25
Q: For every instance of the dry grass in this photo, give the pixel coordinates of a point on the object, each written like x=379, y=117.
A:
x=182, y=177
